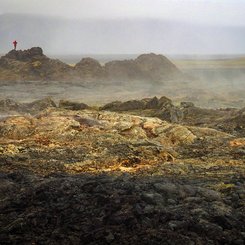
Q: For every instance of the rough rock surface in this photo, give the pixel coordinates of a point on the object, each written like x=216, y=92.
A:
x=144, y=104
x=26, y=55
x=99, y=177
x=229, y=120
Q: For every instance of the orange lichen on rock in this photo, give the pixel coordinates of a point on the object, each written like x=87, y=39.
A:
x=237, y=142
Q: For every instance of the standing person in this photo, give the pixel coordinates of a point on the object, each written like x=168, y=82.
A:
x=15, y=44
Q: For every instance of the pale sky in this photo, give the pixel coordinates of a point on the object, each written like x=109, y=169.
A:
x=105, y=26
x=216, y=12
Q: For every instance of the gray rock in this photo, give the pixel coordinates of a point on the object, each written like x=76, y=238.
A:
x=209, y=195
x=152, y=198
x=201, y=213
x=167, y=188
x=176, y=224
x=171, y=201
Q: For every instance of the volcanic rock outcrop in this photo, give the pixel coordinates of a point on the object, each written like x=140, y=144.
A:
x=32, y=64
x=147, y=103
x=229, y=120
x=150, y=67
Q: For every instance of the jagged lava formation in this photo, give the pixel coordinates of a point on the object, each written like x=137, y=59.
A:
x=71, y=174
x=33, y=65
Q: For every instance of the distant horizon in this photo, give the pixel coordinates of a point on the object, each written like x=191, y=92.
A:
x=132, y=54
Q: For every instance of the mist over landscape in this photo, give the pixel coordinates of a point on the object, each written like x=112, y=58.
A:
x=58, y=35
x=211, y=52
x=191, y=45
x=122, y=122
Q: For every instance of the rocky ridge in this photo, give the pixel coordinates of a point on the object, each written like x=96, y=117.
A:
x=229, y=120
x=33, y=65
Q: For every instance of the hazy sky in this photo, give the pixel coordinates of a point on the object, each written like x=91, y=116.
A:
x=227, y=12
x=105, y=26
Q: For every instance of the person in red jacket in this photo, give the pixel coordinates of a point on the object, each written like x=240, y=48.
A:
x=15, y=44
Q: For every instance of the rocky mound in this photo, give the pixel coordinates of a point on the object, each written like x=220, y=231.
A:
x=157, y=66
x=26, y=55
x=32, y=64
x=149, y=67
x=90, y=69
